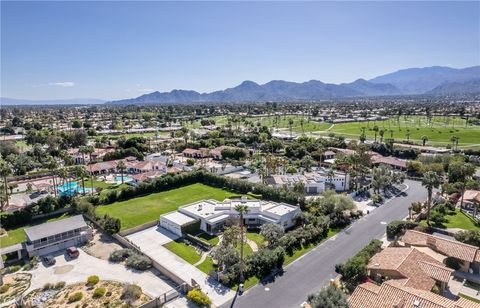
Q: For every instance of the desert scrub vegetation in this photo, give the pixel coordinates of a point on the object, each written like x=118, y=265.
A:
x=92, y=280
x=132, y=259
x=13, y=285
x=105, y=294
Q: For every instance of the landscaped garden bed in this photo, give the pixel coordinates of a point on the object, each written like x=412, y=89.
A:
x=93, y=294
x=13, y=285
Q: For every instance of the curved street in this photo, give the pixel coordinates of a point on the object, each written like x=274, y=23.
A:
x=313, y=271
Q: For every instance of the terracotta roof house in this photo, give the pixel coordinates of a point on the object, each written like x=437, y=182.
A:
x=469, y=255
x=413, y=268
x=194, y=153
x=391, y=161
x=392, y=294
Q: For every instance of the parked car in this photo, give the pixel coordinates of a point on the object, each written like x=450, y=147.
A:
x=73, y=252
x=49, y=260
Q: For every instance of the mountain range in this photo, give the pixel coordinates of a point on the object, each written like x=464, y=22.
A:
x=435, y=80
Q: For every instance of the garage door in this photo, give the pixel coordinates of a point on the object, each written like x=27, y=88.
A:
x=171, y=226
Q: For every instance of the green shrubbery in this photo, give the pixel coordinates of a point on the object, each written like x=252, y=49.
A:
x=75, y=297
x=132, y=259
x=198, y=297
x=99, y=292
x=4, y=288
x=92, y=280
x=131, y=292
x=59, y=285
x=398, y=227
x=355, y=269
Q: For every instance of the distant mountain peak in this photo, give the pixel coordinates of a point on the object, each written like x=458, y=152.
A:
x=406, y=81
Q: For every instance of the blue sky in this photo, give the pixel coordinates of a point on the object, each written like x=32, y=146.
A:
x=110, y=50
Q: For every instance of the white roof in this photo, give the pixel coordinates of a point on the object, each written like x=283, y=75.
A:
x=178, y=218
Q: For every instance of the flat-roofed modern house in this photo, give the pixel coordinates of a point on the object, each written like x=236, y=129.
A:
x=57, y=235
x=213, y=215
x=315, y=182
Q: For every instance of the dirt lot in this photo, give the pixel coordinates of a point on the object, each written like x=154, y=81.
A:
x=102, y=245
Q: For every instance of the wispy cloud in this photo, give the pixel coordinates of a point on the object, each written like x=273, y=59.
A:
x=65, y=84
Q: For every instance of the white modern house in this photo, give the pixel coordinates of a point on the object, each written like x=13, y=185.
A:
x=212, y=215
x=315, y=182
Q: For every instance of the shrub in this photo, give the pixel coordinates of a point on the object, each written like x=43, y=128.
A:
x=13, y=268
x=471, y=237
x=355, y=269
x=59, y=285
x=99, y=292
x=131, y=292
x=4, y=288
x=198, y=297
x=120, y=255
x=92, y=280
x=27, y=267
x=75, y=297
x=139, y=262
x=48, y=286
x=398, y=227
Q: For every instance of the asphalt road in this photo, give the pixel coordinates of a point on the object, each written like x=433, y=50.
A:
x=309, y=273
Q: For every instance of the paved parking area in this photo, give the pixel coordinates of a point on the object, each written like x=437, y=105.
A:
x=78, y=270
x=150, y=242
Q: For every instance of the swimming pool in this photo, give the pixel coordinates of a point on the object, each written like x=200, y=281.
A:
x=126, y=179
x=71, y=189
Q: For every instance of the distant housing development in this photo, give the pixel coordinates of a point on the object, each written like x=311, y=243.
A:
x=213, y=215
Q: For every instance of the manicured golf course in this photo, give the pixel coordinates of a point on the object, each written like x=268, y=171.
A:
x=412, y=128
x=148, y=208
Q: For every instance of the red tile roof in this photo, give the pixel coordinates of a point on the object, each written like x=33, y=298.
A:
x=444, y=246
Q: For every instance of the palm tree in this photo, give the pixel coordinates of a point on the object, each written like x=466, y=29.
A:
x=375, y=129
x=301, y=124
x=121, y=166
x=290, y=125
x=52, y=166
x=81, y=173
x=381, y=132
x=430, y=181
x=63, y=174
x=407, y=135
x=5, y=170
x=454, y=140
x=89, y=150
x=241, y=209
x=424, y=139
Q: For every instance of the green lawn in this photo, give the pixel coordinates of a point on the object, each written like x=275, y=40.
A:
x=148, y=208
x=17, y=235
x=298, y=253
x=207, y=265
x=211, y=239
x=459, y=220
x=439, y=131
x=184, y=251
x=256, y=237
x=246, y=249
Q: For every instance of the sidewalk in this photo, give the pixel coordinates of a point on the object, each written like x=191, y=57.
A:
x=150, y=242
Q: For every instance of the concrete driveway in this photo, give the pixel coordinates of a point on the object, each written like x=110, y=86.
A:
x=78, y=270
x=151, y=241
